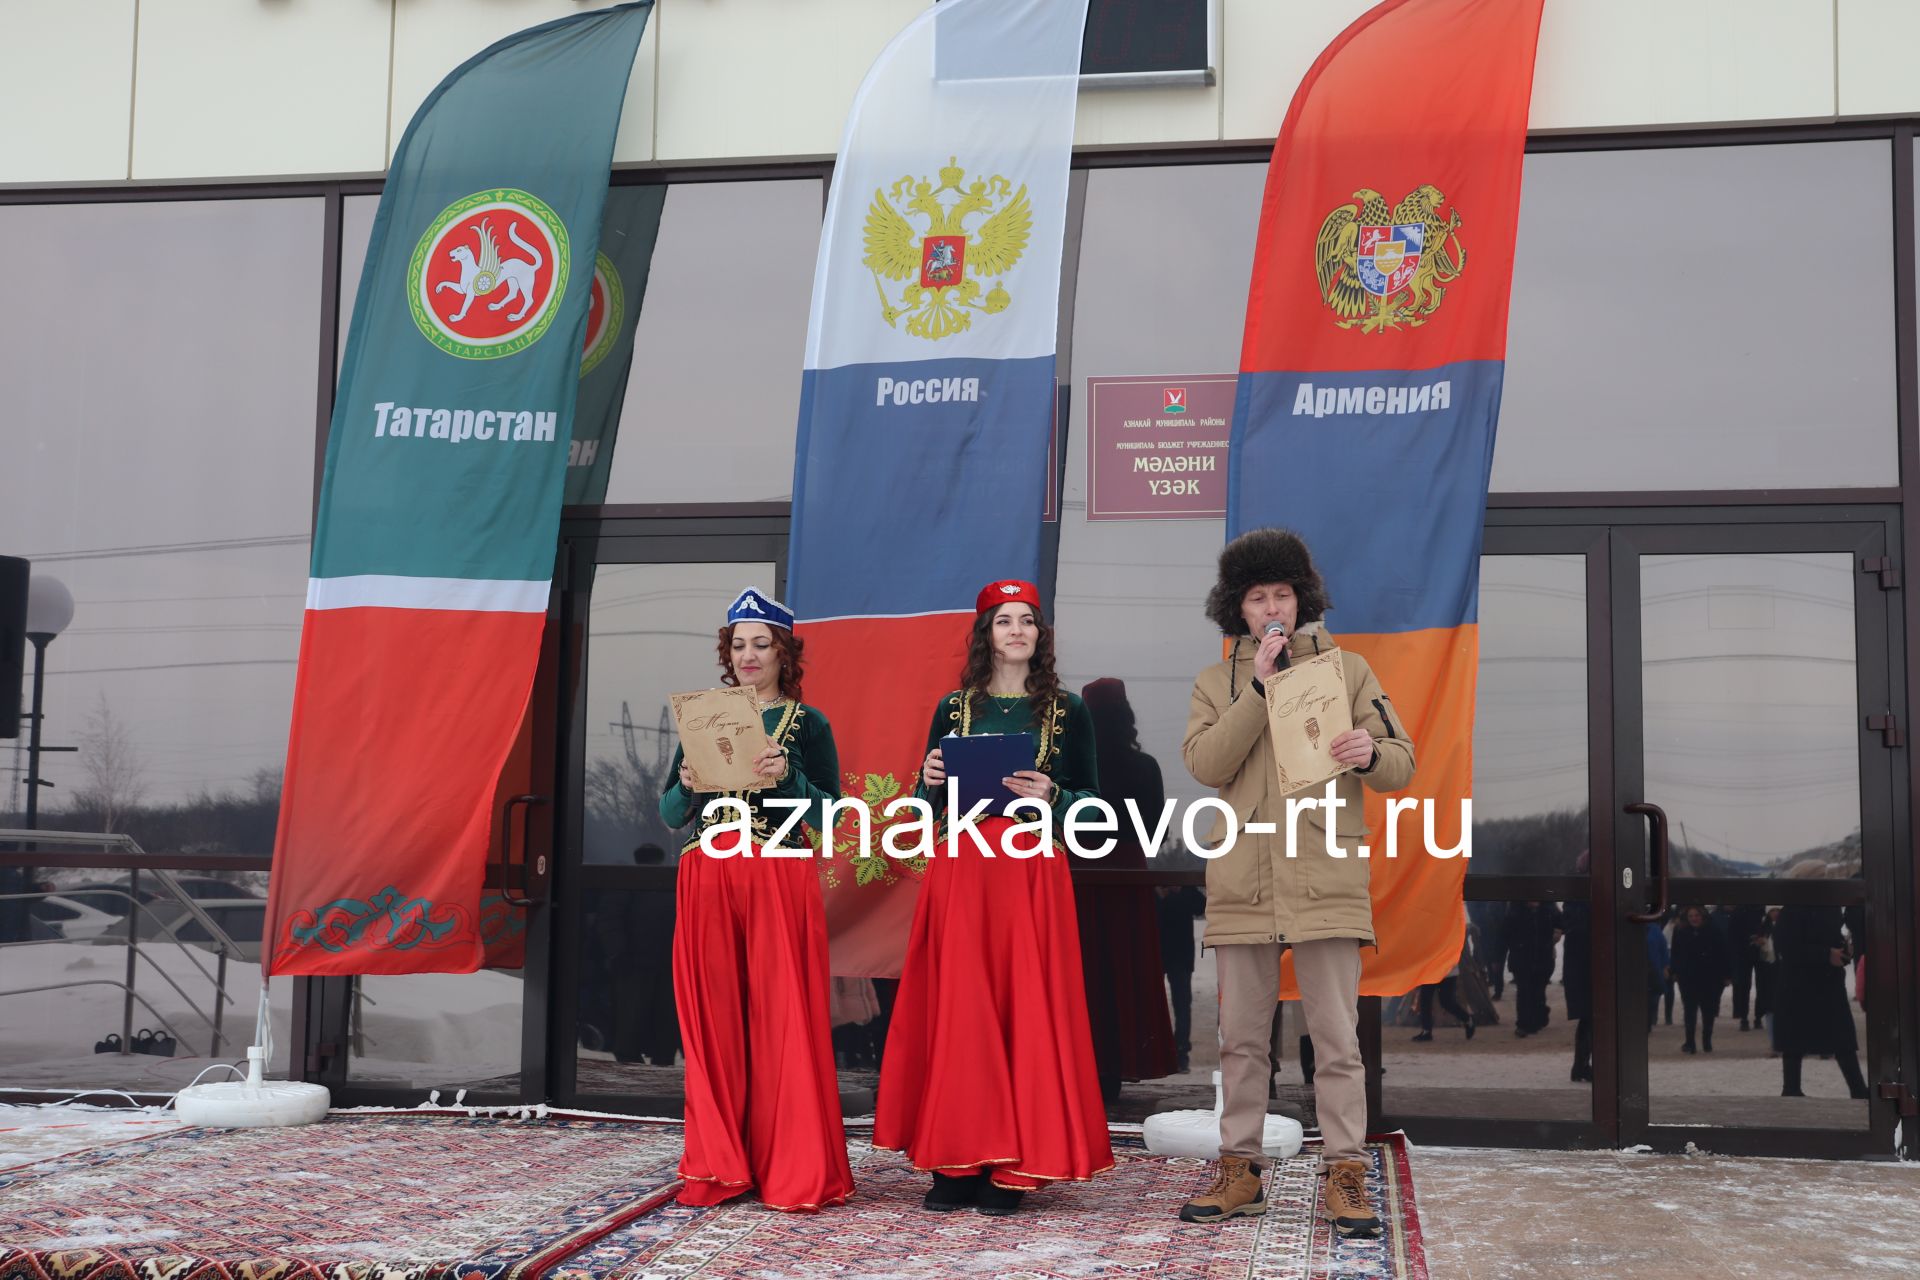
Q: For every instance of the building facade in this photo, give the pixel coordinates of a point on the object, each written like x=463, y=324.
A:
x=1693, y=590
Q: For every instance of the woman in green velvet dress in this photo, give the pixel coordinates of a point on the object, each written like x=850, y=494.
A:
x=988, y=1081
x=750, y=975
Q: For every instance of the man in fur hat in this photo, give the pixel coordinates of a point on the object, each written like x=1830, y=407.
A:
x=1262, y=897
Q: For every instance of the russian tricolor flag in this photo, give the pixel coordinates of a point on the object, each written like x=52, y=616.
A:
x=927, y=400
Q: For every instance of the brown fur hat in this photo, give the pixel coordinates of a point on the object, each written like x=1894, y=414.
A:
x=1259, y=556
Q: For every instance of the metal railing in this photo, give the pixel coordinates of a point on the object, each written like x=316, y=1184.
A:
x=134, y=860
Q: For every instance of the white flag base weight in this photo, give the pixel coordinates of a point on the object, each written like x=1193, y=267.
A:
x=253, y=1103
x=1196, y=1134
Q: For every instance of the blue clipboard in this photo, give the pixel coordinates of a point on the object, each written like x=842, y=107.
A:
x=978, y=762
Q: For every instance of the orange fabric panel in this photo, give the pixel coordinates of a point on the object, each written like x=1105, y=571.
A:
x=1418, y=917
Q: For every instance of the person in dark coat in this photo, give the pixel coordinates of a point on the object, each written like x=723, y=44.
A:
x=1490, y=918
x=1668, y=988
x=1657, y=972
x=1576, y=980
x=1746, y=929
x=1764, y=967
x=1178, y=907
x=1532, y=930
x=1699, y=960
x=1855, y=917
x=646, y=1025
x=1811, y=1012
x=1120, y=959
x=1444, y=991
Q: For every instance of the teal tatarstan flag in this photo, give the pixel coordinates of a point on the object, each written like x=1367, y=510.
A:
x=446, y=466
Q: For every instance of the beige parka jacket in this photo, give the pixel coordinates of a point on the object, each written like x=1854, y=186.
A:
x=1255, y=892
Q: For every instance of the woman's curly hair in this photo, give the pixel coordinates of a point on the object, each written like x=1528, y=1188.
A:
x=790, y=648
x=1043, y=685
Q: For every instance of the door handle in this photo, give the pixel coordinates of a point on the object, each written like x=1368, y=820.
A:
x=1656, y=861
x=534, y=873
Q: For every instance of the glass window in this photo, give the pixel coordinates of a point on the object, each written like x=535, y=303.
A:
x=1128, y=606
x=356, y=231
x=652, y=632
x=1509, y=1033
x=1129, y=593
x=1752, y=714
x=1701, y=318
x=1791, y=1023
x=159, y=364
x=713, y=401
x=1530, y=717
x=437, y=1030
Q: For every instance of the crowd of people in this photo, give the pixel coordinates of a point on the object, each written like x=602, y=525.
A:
x=1793, y=974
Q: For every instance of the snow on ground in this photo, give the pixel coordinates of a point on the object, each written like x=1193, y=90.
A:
x=47, y=1038
x=468, y=1025
x=40, y=1133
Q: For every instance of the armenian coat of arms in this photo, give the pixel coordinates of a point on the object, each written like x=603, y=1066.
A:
x=1380, y=268
x=943, y=266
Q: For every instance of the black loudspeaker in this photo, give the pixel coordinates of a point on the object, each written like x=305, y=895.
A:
x=13, y=641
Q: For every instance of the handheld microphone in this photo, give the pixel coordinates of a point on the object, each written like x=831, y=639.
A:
x=1278, y=628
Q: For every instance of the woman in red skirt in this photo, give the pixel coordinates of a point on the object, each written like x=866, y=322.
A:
x=988, y=1079
x=750, y=954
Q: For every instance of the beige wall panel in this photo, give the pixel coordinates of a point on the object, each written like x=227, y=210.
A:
x=1877, y=43
x=66, y=73
x=432, y=37
x=1267, y=46
x=1617, y=64
x=1627, y=64
x=1145, y=117
x=229, y=88
x=766, y=77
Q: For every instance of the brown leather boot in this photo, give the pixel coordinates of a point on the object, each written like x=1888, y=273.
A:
x=1345, y=1200
x=1237, y=1191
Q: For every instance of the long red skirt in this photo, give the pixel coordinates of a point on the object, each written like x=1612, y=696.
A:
x=989, y=1062
x=750, y=982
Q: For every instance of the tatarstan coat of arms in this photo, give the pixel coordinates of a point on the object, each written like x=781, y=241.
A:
x=1380, y=268
x=943, y=265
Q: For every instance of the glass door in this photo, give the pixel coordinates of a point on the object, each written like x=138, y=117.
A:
x=1528, y=1071
x=1687, y=785
x=1752, y=822
x=644, y=602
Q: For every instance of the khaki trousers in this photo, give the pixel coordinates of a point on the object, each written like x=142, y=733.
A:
x=1328, y=972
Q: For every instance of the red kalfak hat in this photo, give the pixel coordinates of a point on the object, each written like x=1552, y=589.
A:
x=1007, y=591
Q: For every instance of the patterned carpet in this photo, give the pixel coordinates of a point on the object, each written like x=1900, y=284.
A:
x=373, y=1197
x=1121, y=1224
x=440, y=1197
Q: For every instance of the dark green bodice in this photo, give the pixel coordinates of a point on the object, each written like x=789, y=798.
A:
x=813, y=774
x=1063, y=741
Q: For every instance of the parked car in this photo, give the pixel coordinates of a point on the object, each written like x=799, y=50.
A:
x=241, y=919
x=111, y=895
x=71, y=919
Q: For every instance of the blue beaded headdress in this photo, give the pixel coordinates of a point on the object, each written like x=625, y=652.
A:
x=752, y=606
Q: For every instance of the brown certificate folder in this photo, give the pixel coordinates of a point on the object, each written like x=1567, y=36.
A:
x=1307, y=709
x=721, y=734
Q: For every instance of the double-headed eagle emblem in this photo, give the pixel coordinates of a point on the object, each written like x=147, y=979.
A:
x=943, y=266
x=1380, y=268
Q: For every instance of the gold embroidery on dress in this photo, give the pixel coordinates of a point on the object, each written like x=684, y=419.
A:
x=1049, y=726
